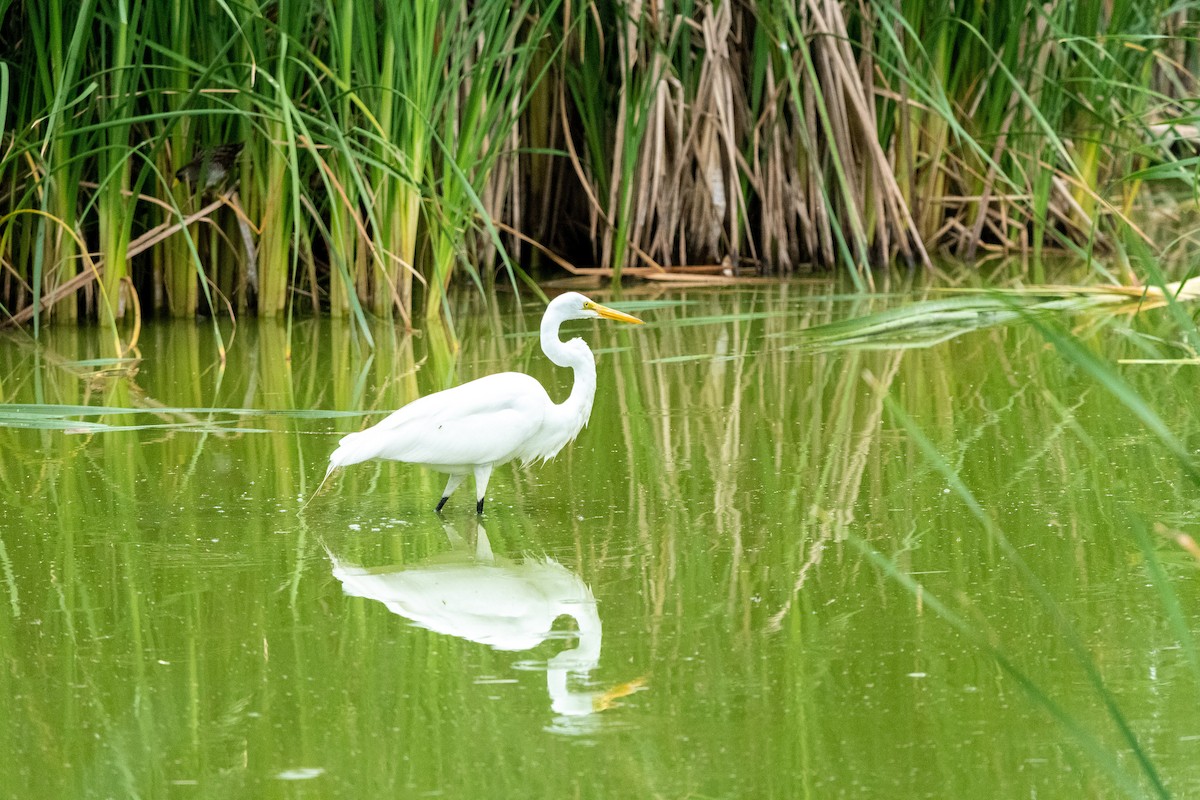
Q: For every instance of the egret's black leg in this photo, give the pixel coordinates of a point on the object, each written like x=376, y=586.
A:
x=451, y=485
x=482, y=473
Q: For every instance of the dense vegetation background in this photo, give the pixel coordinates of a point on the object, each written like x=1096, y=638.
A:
x=387, y=147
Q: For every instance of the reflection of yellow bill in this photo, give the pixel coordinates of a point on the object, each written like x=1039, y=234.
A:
x=611, y=313
x=610, y=698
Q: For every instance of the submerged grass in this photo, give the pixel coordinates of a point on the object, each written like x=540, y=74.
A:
x=932, y=322
x=1102, y=756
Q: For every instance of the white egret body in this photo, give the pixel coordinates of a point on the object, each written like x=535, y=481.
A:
x=472, y=428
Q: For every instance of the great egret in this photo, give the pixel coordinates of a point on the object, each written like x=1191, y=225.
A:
x=490, y=421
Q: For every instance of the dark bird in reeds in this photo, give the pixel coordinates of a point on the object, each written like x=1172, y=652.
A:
x=211, y=166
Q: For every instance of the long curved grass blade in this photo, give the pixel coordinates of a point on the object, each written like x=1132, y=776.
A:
x=1071, y=636
x=1104, y=758
x=1169, y=598
x=3, y=95
x=36, y=411
x=921, y=324
x=1107, y=378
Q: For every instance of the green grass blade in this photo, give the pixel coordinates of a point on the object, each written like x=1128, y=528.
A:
x=1176, y=617
x=1080, y=651
x=1108, y=761
x=1075, y=353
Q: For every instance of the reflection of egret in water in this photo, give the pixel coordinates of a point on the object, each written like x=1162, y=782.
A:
x=505, y=604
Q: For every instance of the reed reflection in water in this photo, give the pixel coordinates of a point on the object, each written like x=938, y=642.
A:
x=165, y=616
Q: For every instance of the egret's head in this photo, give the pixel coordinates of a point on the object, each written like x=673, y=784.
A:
x=573, y=305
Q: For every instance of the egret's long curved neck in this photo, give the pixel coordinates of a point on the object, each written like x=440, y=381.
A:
x=581, y=660
x=578, y=356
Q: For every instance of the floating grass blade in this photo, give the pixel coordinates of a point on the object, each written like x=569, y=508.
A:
x=76, y=419
x=921, y=324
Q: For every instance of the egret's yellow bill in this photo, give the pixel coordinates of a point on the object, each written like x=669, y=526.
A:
x=612, y=313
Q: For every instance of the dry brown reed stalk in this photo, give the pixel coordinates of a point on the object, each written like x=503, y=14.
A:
x=595, y=210
x=718, y=210
x=786, y=226
x=877, y=182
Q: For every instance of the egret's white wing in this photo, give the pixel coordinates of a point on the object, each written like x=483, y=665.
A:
x=484, y=421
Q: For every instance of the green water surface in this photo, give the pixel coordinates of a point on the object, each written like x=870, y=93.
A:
x=682, y=604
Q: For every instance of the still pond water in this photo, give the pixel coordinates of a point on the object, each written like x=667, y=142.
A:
x=703, y=597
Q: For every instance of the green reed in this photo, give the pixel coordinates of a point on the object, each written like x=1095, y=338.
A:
x=392, y=149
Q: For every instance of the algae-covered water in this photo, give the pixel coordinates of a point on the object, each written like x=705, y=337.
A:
x=765, y=569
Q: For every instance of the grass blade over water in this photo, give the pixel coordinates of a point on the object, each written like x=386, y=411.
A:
x=1049, y=605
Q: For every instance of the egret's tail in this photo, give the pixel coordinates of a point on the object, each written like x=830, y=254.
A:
x=320, y=486
x=349, y=451
x=352, y=448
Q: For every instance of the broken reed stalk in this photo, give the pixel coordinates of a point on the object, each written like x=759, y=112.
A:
x=136, y=247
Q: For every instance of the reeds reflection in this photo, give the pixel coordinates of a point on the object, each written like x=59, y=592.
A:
x=708, y=505
x=507, y=604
